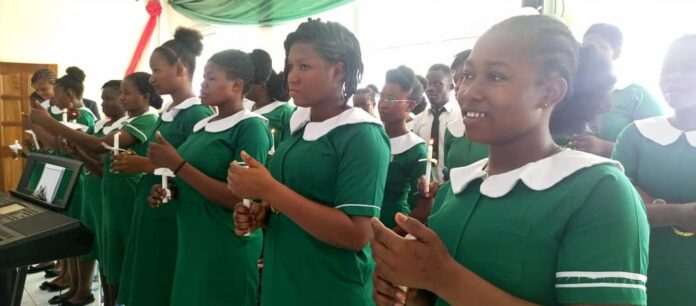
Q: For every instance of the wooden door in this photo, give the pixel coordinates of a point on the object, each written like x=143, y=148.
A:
x=15, y=89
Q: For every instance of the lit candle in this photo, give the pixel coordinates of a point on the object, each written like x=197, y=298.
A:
x=428, y=166
x=272, y=151
x=245, y=202
x=165, y=173
x=117, y=146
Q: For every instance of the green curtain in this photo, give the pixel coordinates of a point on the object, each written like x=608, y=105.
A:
x=263, y=12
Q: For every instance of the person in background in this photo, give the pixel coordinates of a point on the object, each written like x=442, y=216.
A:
x=408, y=151
x=430, y=124
x=659, y=155
x=270, y=97
x=630, y=101
x=365, y=98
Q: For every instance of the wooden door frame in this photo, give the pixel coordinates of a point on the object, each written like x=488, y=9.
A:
x=26, y=70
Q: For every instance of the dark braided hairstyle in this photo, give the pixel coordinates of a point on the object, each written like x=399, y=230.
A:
x=242, y=65
x=43, y=74
x=586, y=70
x=73, y=81
x=335, y=44
x=185, y=47
x=141, y=80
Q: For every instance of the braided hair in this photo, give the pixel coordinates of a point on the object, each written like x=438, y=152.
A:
x=335, y=44
x=586, y=70
x=43, y=74
x=141, y=80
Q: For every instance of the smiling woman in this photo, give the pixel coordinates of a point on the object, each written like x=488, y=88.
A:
x=533, y=211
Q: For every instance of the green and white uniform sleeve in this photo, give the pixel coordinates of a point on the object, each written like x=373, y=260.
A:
x=140, y=127
x=254, y=139
x=362, y=172
x=603, y=257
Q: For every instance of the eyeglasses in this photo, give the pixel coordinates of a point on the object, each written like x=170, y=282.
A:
x=388, y=98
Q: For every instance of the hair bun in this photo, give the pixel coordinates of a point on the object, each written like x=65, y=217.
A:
x=190, y=38
x=76, y=73
x=262, y=65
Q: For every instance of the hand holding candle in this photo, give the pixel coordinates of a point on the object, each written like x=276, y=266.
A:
x=16, y=147
x=117, y=142
x=165, y=173
x=245, y=202
x=116, y=149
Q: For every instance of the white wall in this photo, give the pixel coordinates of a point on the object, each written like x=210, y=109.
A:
x=649, y=27
x=97, y=36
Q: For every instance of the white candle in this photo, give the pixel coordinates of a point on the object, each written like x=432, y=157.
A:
x=272, y=151
x=117, y=141
x=65, y=115
x=165, y=174
x=428, y=166
x=245, y=202
x=33, y=136
x=408, y=237
x=16, y=147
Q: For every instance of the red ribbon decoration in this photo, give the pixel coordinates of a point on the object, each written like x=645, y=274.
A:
x=154, y=9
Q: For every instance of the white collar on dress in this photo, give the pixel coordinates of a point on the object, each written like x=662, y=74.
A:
x=456, y=127
x=540, y=175
x=248, y=104
x=404, y=142
x=170, y=113
x=46, y=104
x=101, y=125
x=149, y=112
x=226, y=123
x=270, y=107
x=314, y=130
x=662, y=132
x=55, y=110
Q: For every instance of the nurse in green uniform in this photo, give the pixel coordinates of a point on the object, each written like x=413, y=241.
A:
x=660, y=158
x=118, y=189
x=92, y=208
x=214, y=266
x=629, y=102
x=531, y=224
x=270, y=100
x=151, y=251
x=92, y=212
x=325, y=182
x=69, y=114
x=408, y=153
x=459, y=150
